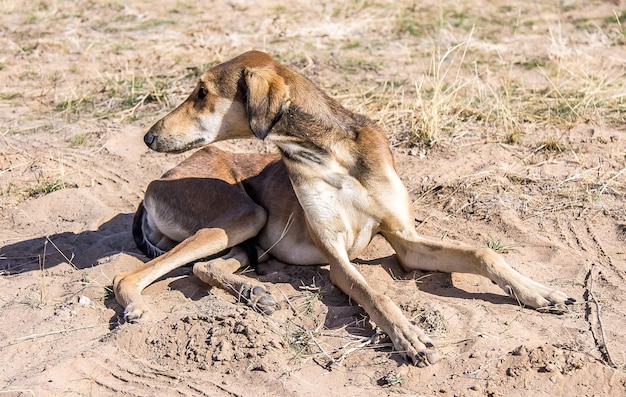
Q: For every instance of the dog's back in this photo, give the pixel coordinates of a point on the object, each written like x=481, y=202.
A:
x=156, y=228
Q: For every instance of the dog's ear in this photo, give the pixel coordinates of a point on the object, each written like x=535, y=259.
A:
x=266, y=100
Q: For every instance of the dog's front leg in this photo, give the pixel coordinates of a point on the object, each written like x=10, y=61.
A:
x=408, y=339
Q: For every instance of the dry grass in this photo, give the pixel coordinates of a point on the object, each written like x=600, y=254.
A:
x=489, y=96
x=500, y=245
x=446, y=75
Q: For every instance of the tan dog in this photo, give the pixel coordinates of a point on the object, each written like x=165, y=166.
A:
x=332, y=189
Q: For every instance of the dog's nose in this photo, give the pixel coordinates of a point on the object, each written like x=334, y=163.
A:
x=149, y=138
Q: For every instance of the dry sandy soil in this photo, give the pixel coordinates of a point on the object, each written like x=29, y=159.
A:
x=507, y=123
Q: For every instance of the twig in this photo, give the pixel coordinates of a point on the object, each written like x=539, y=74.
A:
x=47, y=239
x=620, y=172
x=331, y=360
x=35, y=336
x=42, y=266
x=481, y=368
x=513, y=294
x=18, y=391
x=311, y=338
x=14, y=167
x=602, y=346
x=361, y=345
x=293, y=309
x=282, y=235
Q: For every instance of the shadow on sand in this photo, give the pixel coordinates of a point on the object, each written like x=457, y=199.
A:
x=82, y=250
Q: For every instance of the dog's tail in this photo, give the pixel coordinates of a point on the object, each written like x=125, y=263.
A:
x=142, y=231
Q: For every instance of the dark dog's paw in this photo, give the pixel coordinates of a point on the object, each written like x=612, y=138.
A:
x=259, y=299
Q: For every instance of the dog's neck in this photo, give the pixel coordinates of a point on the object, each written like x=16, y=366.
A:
x=314, y=139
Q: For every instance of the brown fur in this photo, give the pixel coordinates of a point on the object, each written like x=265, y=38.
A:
x=334, y=188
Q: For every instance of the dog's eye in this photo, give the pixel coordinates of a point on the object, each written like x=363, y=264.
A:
x=202, y=92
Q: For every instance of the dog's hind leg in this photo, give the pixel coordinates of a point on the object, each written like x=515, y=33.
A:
x=416, y=252
x=220, y=272
x=128, y=286
x=216, y=216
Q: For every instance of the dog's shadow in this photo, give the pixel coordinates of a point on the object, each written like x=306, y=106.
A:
x=80, y=250
x=434, y=283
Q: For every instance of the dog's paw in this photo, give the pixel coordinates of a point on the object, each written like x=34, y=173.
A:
x=555, y=302
x=135, y=313
x=259, y=299
x=542, y=298
x=413, y=345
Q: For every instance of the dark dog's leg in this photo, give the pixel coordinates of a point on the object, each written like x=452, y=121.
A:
x=220, y=273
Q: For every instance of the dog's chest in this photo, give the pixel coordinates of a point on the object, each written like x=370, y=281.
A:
x=338, y=208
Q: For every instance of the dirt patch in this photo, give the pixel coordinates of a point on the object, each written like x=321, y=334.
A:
x=217, y=342
x=507, y=125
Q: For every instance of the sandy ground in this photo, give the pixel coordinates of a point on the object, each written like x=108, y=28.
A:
x=81, y=82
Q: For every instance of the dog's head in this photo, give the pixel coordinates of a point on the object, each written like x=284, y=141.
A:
x=241, y=98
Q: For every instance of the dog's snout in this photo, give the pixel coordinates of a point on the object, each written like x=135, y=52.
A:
x=149, y=138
